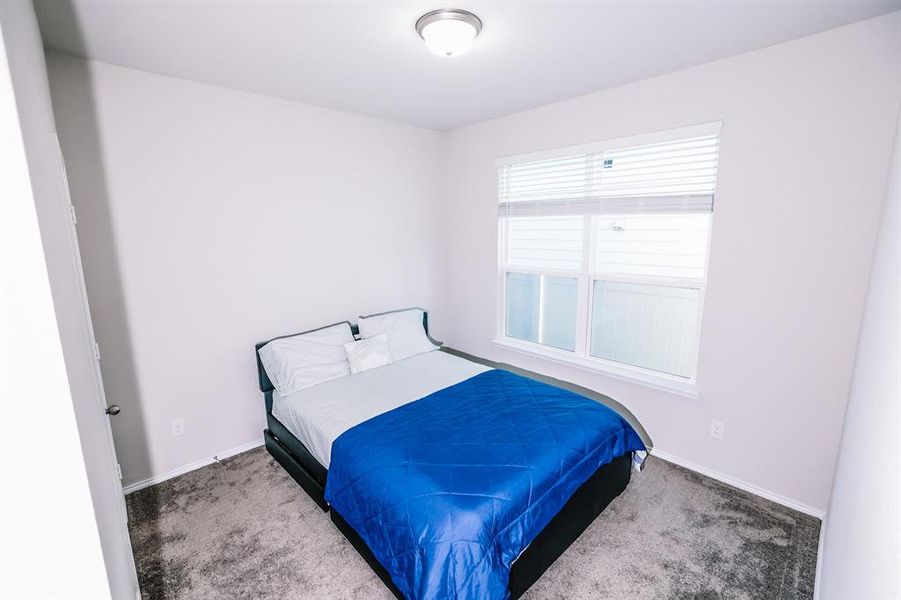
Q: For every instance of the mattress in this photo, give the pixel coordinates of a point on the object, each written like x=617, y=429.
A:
x=317, y=416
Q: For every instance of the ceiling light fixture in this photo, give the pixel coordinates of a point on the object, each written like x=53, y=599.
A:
x=449, y=31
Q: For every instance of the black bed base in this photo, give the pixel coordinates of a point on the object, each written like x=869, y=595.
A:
x=577, y=514
x=284, y=457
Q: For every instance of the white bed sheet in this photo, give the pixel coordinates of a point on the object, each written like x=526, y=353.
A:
x=319, y=414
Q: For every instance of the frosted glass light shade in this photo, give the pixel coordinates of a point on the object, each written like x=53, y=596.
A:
x=448, y=32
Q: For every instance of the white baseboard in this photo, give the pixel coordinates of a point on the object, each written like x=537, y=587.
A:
x=742, y=485
x=140, y=485
x=816, y=581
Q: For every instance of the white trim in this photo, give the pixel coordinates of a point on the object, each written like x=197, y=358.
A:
x=608, y=205
x=816, y=581
x=140, y=485
x=742, y=485
x=583, y=302
x=658, y=381
x=540, y=271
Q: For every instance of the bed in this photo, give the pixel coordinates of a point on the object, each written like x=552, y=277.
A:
x=384, y=444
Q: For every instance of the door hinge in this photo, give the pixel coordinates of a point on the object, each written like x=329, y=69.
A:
x=72, y=215
x=96, y=351
x=119, y=471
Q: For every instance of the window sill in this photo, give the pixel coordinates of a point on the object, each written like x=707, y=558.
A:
x=666, y=383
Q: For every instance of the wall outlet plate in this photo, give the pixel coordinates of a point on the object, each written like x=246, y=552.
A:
x=179, y=428
x=717, y=429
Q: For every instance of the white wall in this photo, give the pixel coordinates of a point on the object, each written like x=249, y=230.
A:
x=861, y=553
x=211, y=219
x=185, y=189
x=804, y=155
x=47, y=518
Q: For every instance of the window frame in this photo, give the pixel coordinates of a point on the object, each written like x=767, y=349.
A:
x=581, y=356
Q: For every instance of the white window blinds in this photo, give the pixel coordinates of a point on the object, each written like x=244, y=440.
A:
x=670, y=172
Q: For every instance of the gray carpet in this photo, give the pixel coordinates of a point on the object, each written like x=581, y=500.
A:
x=244, y=529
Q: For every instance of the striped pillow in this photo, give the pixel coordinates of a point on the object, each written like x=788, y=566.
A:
x=307, y=359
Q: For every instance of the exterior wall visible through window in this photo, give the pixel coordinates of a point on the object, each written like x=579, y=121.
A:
x=603, y=252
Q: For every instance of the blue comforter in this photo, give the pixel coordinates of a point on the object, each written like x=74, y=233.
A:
x=447, y=491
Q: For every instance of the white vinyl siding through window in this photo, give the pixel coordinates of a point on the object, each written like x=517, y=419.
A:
x=603, y=251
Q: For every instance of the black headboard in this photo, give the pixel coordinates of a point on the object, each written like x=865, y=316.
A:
x=266, y=384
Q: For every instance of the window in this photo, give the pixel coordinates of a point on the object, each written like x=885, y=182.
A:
x=603, y=252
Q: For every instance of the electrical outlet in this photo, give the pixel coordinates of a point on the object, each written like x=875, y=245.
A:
x=717, y=429
x=179, y=428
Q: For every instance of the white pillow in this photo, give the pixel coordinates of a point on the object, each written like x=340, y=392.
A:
x=370, y=353
x=307, y=359
x=406, y=336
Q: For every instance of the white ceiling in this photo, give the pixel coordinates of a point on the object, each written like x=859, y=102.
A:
x=365, y=57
